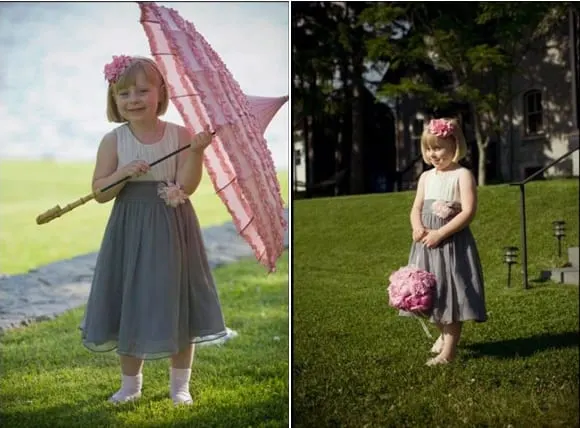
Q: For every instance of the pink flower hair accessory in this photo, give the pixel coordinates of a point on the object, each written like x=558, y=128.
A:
x=172, y=194
x=441, y=128
x=115, y=68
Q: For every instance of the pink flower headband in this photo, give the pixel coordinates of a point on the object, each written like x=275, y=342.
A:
x=441, y=128
x=115, y=68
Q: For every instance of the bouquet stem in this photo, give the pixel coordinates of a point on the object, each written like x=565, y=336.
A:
x=425, y=329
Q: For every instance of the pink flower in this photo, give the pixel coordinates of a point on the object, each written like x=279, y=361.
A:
x=443, y=209
x=441, y=128
x=411, y=289
x=115, y=69
x=172, y=194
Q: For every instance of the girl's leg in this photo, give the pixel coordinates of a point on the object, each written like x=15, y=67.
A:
x=131, y=366
x=180, y=375
x=438, y=345
x=132, y=380
x=451, y=336
x=184, y=358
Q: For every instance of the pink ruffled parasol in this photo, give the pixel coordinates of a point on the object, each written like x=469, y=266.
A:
x=238, y=161
x=265, y=108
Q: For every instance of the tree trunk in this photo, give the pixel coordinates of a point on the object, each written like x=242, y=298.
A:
x=355, y=50
x=481, y=176
x=357, y=184
x=510, y=106
x=338, y=157
x=343, y=137
x=308, y=151
x=481, y=146
x=299, y=86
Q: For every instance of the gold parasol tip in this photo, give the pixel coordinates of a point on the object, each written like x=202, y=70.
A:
x=49, y=215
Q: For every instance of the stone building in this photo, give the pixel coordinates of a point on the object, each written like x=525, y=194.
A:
x=539, y=125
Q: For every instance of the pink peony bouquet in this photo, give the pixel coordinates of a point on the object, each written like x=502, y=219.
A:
x=172, y=194
x=411, y=289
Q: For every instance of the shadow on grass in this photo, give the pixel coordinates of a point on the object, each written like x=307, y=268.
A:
x=271, y=411
x=524, y=347
x=64, y=416
x=96, y=412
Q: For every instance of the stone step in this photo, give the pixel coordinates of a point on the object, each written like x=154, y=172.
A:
x=566, y=275
x=573, y=256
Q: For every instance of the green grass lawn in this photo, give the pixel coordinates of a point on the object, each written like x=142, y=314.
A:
x=357, y=364
x=48, y=379
x=29, y=188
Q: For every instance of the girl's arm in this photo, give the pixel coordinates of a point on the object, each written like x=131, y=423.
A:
x=189, y=164
x=415, y=217
x=106, y=172
x=106, y=169
x=468, y=194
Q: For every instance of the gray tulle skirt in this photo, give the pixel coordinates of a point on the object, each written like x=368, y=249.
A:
x=152, y=293
x=455, y=262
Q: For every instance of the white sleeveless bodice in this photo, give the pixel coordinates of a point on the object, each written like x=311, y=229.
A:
x=129, y=148
x=442, y=186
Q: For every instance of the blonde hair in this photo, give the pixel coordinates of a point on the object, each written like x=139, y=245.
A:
x=128, y=78
x=430, y=140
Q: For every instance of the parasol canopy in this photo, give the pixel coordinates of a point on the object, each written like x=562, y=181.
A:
x=238, y=161
x=265, y=108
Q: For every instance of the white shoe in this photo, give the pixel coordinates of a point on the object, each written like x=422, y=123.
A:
x=179, y=386
x=122, y=397
x=130, y=389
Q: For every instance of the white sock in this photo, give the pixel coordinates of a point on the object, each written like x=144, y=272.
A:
x=180, y=386
x=130, y=389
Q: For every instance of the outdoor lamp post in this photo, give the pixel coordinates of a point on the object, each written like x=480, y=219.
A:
x=559, y=232
x=510, y=258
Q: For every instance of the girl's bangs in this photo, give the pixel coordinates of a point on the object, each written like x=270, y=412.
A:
x=429, y=140
x=129, y=77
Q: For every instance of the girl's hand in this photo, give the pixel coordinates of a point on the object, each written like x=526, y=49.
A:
x=432, y=239
x=418, y=234
x=135, y=168
x=201, y=141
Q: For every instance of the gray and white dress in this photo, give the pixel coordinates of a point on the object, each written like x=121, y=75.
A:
x=153, y=291
x=455, y=262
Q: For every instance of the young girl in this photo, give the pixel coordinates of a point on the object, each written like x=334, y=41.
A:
x=445, y=204
x=152, y=295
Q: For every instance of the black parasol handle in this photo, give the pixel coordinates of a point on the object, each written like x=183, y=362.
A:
x=104, y=189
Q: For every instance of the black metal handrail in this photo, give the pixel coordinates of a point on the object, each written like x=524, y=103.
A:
x=522, y=185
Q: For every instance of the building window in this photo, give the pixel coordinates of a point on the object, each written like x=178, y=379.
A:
x=533, y=123
x=297, y=157
x=416, y=132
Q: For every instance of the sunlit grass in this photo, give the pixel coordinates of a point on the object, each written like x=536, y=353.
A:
x=356, y=363
x=29, y=188
x=48, y=379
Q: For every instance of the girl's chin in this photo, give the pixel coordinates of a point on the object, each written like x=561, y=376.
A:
x=441, y=166
x=139, y=117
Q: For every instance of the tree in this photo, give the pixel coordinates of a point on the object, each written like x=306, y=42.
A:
x=479, y=45
x=328, y=54
x=312, y=66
